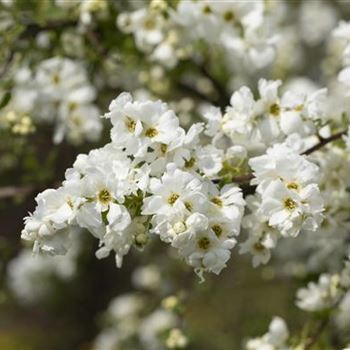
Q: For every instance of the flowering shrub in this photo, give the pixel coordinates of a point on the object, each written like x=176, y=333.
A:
x=227, y=134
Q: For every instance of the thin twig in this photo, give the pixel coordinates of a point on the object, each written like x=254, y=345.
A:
x=195, y=93
x=31, y=30
x=13, y=191
x=7, y=64
x=312, y=339
x=224, y=98
x=324, y=142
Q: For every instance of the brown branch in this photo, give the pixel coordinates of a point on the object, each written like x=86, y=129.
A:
x=324, y=141
x=96, y=43
x=7, y=64
x=223, y=97
x=243, y=178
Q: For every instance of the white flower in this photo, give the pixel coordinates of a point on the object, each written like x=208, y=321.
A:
x=153, y=326
x=291, y=199
x=240, y=119
x=347, y=139
x=204, y=249
x=177, y=190
x=145, y=25
x=275, y=339
x=58, y=91
x=125, y=306
x=319, y=296
x=176, y=339
x=228, y=203
x=289, y=210
x=56, y=209
x=320, y=13
x=56, y=77
x=138, y=125
x=29, y=276
x=261, y=237
x=147, y=277
x=282, y=162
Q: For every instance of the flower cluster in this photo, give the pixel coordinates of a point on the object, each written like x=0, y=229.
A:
x=326, y=293
x=87, y=9
x=130, y=327
x=287, y=200
x=287, y=185
x=56, y=92
x=167, y=34
x=342, y=33
x=259, y=123
x=152, y=178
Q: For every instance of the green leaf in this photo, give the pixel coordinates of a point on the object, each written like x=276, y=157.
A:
x=5, y=100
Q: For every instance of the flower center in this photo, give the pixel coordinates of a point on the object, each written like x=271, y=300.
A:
x=217, y=201
x=290, y=204
x=190, y=163
x=76, y=120
x=130, y=124
x=149, y=24
x=204, y=243
x=206, y=10
x=151, y=132
x=163, y=148
x=293, y=186
x=259, y=247
x=179, y=227
x=173, y=198
x=229, y=16
x=275, y=109
x=217, y=230
x=56, y=79
x=104, y=196
x=72, y=106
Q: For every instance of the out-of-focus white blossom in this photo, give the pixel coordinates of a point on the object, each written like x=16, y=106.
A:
x=275, y=339
x=319, y=296
x=317, y=19
x=30, y=277
x=147, y=277
x=57, y=92
x=131, y=323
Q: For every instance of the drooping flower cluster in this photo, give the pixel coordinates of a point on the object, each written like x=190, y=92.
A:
x=152, y=178
x=58, y=92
